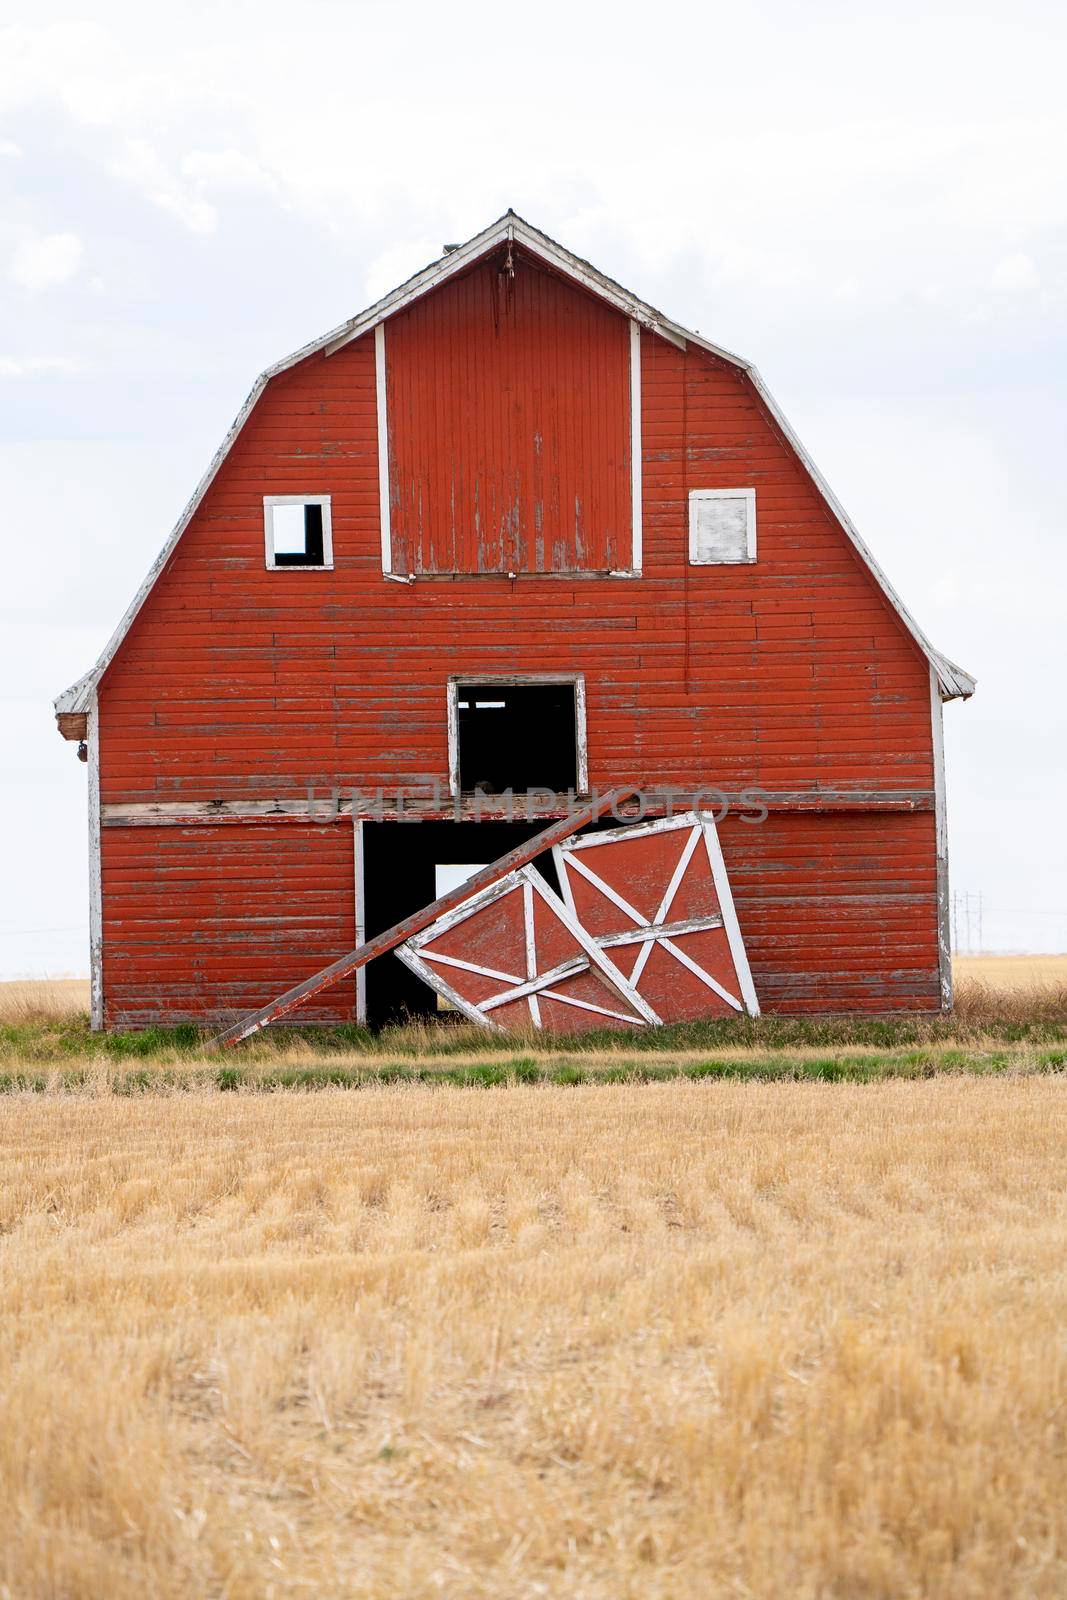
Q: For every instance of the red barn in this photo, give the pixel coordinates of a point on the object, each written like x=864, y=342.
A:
x=511, y=528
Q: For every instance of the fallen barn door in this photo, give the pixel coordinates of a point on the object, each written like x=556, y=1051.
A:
x=514, y=956
x=657, y=897
x=646, y=932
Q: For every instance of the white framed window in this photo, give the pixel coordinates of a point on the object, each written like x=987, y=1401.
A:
x=298, y=532
x=722, y=526
x=520, y=732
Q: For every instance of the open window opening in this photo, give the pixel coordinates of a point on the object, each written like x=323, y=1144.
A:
x=298, y=531
x=517, y=734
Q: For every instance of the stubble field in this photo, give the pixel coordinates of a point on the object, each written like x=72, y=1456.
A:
x=667, y=1340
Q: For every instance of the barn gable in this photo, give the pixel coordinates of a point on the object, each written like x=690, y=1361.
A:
x=579, y=511
x=509, y=393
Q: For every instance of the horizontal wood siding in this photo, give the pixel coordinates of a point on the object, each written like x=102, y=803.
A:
x=236, y=682
x=240, y=684
x=509, y=426
x=213, y=922
x=838, y=913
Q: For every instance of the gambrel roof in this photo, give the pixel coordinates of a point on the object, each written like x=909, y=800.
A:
x=953, y=682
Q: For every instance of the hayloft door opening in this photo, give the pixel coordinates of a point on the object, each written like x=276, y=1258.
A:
x=517, y=734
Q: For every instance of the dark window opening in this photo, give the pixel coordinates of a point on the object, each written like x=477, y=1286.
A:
x=517, y=736
x=298, y=537
x=401, y=871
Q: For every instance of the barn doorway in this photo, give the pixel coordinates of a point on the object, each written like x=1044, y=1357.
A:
x=403, y=862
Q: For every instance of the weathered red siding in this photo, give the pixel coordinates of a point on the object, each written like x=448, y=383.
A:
x=509, y=426
x=236, y=682
x=837, y=911
x=214, y=921
x=239, y=683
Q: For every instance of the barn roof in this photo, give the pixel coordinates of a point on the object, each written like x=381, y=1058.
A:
x=953, y=682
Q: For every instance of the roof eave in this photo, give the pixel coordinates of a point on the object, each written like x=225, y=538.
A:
x=953, y=683
x=78, y=696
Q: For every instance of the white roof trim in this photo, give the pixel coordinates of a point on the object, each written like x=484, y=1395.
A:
x=508, y=228
x=952, y=680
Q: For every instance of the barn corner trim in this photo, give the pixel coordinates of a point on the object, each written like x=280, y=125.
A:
x=953, y=682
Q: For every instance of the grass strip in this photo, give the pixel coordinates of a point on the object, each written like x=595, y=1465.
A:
x=25, y=1045
x=263, y=1078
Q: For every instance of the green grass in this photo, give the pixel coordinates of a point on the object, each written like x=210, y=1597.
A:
x=62, y=1055
x=70, y=1039
x=259, y=1077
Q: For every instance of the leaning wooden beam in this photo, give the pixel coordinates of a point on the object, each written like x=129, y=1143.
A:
x=382, y=943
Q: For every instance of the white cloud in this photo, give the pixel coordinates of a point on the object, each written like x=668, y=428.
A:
x=140, y=166
x=398, y=263
x=1015, y=274
x=8, y=147
x=227, y=171
x=93, y=69
x=37, y=366
x=46, y=260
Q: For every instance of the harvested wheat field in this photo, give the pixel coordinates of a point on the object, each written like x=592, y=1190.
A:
x=1008, y=973
x=35, y=999
x=669, y=1340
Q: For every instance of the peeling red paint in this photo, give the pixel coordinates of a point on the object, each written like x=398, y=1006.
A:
x=509, y=427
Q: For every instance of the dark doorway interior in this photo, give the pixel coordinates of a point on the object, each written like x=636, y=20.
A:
x=399, y=859
x=517, y=736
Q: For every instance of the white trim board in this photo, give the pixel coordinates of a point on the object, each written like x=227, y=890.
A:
x=944, y=923
x=953, y=682
x=96, y=897
x=636, y=464
x=359, y=886
x=382, y=405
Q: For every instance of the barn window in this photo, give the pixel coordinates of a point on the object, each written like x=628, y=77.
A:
x=518, y=734
x=722, y=526
x=297, y=530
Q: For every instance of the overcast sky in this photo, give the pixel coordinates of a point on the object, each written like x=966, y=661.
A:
x=872, y=208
